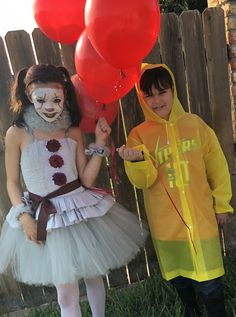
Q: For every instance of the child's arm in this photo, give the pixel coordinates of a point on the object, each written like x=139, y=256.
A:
x=88, y=170
x=218, y=175
x=13, y=141
x=12, y=164
x=138, y=164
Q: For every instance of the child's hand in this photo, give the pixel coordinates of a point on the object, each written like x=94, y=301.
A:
x=102, y=131
x=130, y=154
x=222, y=218
x=29, y=227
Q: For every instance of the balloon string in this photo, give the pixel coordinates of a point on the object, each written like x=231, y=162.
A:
x=171, y=199
x=223, y=240
x=113, y=167
x=178, y=212
x=118, y=126
x=99, y=113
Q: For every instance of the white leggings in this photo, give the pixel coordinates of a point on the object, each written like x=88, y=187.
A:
x=68, y=298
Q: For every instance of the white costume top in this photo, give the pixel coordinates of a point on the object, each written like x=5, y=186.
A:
x=40, y=161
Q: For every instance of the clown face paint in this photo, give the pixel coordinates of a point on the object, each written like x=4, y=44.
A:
x=48, y=102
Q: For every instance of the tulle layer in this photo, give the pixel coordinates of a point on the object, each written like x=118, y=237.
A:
x=87, y=249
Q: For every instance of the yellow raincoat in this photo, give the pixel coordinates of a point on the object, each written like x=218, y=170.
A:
x=185, y=182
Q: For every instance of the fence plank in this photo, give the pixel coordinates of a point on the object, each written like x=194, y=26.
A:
x=47, y=51
x=67, y=52
x=124, y=193
x=5, y=80
x=20, y=50
x=5, y=120
x=194, y=52
x=10, y=296
x=154, y=55
x=9, y=290
x=172, y=53
x=35, y=296
x=132, y=116
x=218, y=79
x=219, y=91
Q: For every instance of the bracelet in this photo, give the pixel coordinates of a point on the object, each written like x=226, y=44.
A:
x=13, y=217
x=21, y=209
x=95, y=149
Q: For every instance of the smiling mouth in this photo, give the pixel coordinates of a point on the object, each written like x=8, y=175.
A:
x=50, y=115
x=158, y=108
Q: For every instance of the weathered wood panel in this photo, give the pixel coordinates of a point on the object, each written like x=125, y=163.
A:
x=154, y=56
x=218, y=79
x=20, y=50
x=172, y=53
x=195, y=62
x=10, y=295
x=5, y=121
x=5, y=80
x=47, y=51
x=67, y=55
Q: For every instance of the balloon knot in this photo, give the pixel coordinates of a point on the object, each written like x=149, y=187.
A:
x=122, y=74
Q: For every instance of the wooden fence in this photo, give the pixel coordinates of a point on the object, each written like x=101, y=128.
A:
x=194, y=47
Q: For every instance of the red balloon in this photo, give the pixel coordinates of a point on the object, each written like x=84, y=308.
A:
x=103, y=82
x=123, y=32
x=91, y=109
x=60, y=20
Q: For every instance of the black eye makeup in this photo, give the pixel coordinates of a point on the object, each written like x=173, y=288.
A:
x=43, y=96
x=40, y=100
x=57, y=100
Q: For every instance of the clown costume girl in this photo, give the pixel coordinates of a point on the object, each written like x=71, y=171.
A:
x=59, y=230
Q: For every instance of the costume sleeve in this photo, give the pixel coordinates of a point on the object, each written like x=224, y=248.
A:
x=217, y=173
x=141, y=174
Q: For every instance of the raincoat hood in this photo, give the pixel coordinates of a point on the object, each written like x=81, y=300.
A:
x=177, y=109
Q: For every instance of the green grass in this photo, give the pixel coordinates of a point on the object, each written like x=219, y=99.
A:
x=150, y=298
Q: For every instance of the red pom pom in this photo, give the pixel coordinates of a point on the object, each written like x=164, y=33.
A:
x=53, y=145
x=56, y=161
x=59, y=179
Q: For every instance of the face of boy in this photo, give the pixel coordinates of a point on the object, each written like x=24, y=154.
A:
x=160, y=101
x=48, y=100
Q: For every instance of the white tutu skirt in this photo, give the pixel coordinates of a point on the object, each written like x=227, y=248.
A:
x=89, y=248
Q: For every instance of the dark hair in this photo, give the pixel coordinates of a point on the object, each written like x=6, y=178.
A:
x=43, y=74
x=159, y=77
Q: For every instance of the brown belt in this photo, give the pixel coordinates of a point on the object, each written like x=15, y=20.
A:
x=47, y=207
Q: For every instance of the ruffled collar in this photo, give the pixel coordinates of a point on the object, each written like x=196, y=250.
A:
x=34, y=121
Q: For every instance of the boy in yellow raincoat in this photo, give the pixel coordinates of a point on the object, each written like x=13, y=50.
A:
x=176, y=159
